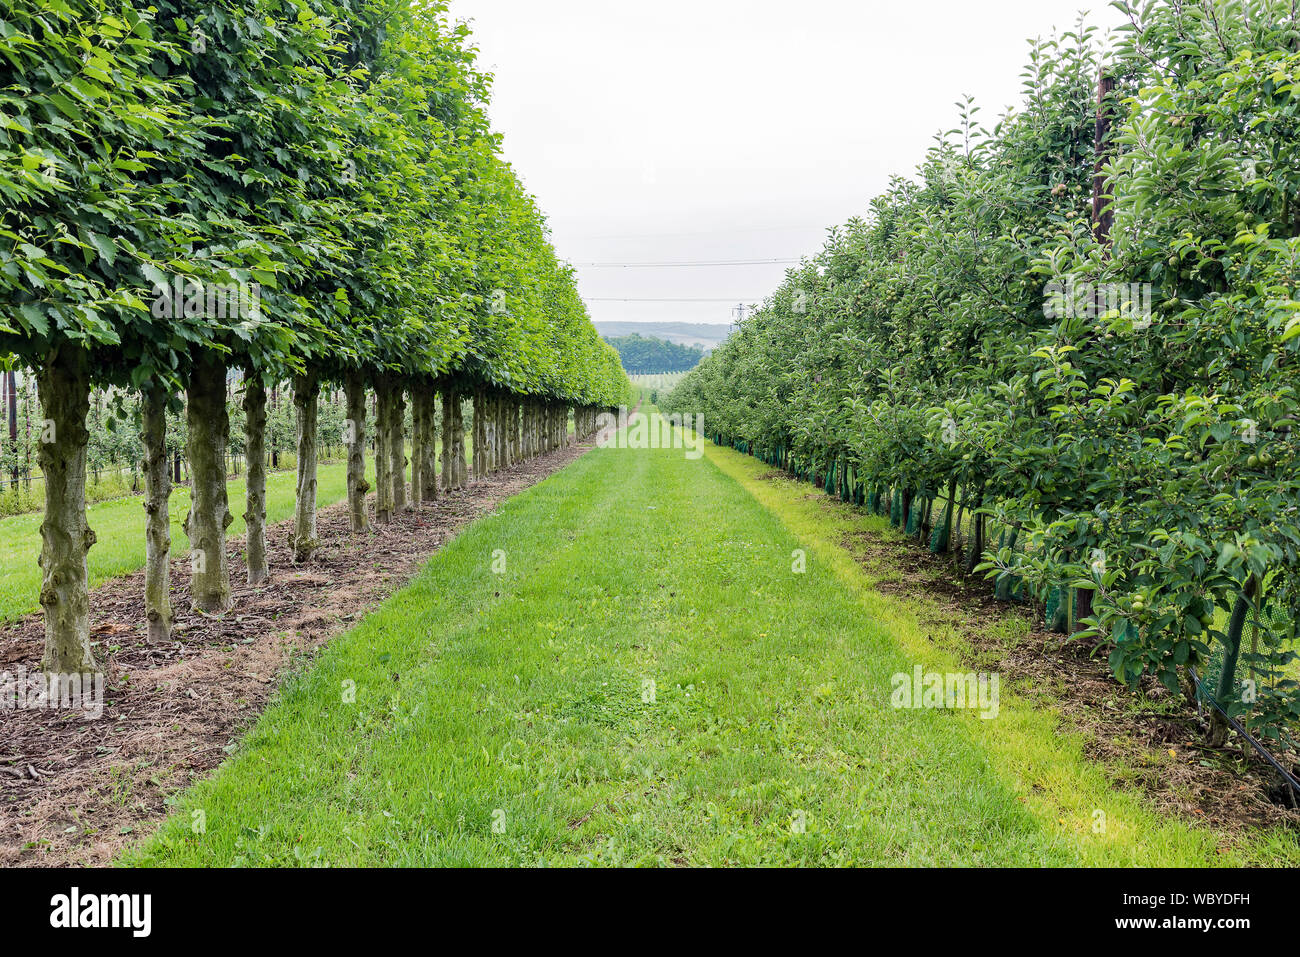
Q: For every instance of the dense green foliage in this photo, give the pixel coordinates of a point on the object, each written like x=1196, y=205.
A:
x=646, y=355
x=336, y=154
x=256, y=191
x=1145, y=458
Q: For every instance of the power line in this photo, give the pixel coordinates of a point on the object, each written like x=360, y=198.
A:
x=818, y=228
x=731, y=299
x=699, y=262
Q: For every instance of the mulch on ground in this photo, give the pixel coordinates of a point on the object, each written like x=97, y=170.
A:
x=75, y=790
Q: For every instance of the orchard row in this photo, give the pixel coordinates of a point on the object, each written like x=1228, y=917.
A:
x=1078, y=331
x=302, y=191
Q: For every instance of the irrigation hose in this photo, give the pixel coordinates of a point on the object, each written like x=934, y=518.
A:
x=1291, y=780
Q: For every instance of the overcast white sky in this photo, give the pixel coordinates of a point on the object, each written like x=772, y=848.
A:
x=706, y=130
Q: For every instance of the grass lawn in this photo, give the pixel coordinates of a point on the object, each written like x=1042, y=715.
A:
x=621, y=667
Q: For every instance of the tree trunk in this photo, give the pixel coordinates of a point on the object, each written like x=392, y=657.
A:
x=209, y=517
x=489, y=434
x=455, y=466
x=940, y=543
x=63, y=385
x=431, y=449
x=157, y=522
x=458, y=440
x=448, y=454
x=418, y=436
x=397, y=448
x=383, y=459
x=275, y=445
x=424, y=470
x=977, y=542
x=255, y=497
x=516, y=430
x=1219, y=726
x=479, y=435
x=1082, y=607
x=502, y=432
x=356, y=442
x=306, y=400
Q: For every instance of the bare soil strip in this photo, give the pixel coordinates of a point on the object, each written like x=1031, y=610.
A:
x=75, y=791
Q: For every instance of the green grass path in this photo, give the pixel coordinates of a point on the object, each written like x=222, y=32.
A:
x=509, y=718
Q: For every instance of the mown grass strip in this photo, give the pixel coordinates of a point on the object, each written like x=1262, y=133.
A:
x=1026, y=743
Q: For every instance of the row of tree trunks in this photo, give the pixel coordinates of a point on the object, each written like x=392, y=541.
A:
x=507, y=429
x=586, y=421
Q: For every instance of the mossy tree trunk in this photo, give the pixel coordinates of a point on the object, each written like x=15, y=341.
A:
x=383, y=458
x=157, y=519
x=209, y=516
x=397, y=448
x=503, y=432
x=424, y=478
x=418, y=434
x=355, y=436
x=530, y=429
x=480, y=434
x=489, y=434
x=431, y=447
x=255, y=494
x=306, y=400
x=455, y=465
x=63, y=386
x=516, y=431
x=458, y=441
x=448, y=452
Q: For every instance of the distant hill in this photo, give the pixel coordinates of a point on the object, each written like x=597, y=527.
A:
x=708, y=336
x=645, y=354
